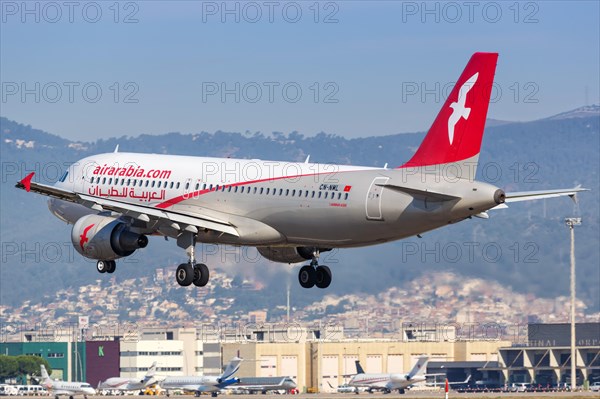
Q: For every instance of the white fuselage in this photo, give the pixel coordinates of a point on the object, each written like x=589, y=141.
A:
x=192, y=383
x=277, y=203
x=384, y=381
x=123, y=384
x=60, y=388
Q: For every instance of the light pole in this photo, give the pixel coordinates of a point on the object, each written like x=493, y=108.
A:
x=571, y=223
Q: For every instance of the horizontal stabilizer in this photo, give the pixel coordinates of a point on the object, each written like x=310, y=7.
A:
x=534, y=195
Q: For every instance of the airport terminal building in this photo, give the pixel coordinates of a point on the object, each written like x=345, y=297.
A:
x=316, y=359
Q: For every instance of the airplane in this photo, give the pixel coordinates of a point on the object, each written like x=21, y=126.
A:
x=63, y=388
x=446, y=382
x=130, y=384
x=205, y=383
x=290, y=211
x=263, y=384
x=387, y=382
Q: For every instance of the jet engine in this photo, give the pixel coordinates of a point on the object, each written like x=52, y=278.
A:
x=105, y=237
x=289, y=254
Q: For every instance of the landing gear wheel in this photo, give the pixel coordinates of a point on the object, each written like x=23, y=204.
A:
x=201, y=275
x=102, y=266
x=307, y=276
x=322, y=276
x=184, y=274
x=111, y=266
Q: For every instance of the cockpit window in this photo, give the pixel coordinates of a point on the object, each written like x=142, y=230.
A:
x=64, y=176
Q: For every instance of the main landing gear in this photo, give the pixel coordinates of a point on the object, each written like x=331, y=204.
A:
x=106, y=266
x=191, y=272
x=313, y=274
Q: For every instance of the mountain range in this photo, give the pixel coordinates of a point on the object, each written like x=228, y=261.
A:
x=525, y=247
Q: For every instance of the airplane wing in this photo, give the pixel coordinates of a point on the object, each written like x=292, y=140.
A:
x=141, y=212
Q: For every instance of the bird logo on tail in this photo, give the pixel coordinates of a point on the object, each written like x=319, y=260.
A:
x=458, y=108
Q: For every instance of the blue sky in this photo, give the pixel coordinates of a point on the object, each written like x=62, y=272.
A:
x=351, y=68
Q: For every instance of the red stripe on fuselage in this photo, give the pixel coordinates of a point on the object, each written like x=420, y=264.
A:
x=178, y=199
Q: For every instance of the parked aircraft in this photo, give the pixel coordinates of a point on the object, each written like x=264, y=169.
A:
x=205, y=383
x=60, y=388
x=130, y=384
x=263, y=384
x=292, y=212
x=387, y=382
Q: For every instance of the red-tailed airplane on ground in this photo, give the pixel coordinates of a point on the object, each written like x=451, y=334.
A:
x=290, y=211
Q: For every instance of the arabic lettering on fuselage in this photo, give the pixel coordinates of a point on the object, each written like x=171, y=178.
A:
x=126, y=192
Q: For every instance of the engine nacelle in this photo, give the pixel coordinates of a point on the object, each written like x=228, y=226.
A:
x=289, y=254
x=105, y=237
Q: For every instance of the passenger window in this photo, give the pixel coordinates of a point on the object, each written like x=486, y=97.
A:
x=197, y=186
x=155, y=182
x=187, y=185
x=346, y=196
x=281, y=191
x=261, y=190
x=254, y=190
x=235, y=190
x=171, y=185
x=178, y=184
x=313, y=194
x=104, y=180
x=293, y=192
x=320, y=193
x=110, y=181
x=326, y=194
x=339, y=195
x=287, y=192
x=204, y=186
x=229, y=189
x=268, y=189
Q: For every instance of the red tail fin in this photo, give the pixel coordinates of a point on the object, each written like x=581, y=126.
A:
x=457, y=131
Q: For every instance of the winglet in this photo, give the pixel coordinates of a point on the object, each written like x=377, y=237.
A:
x=26, y=182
